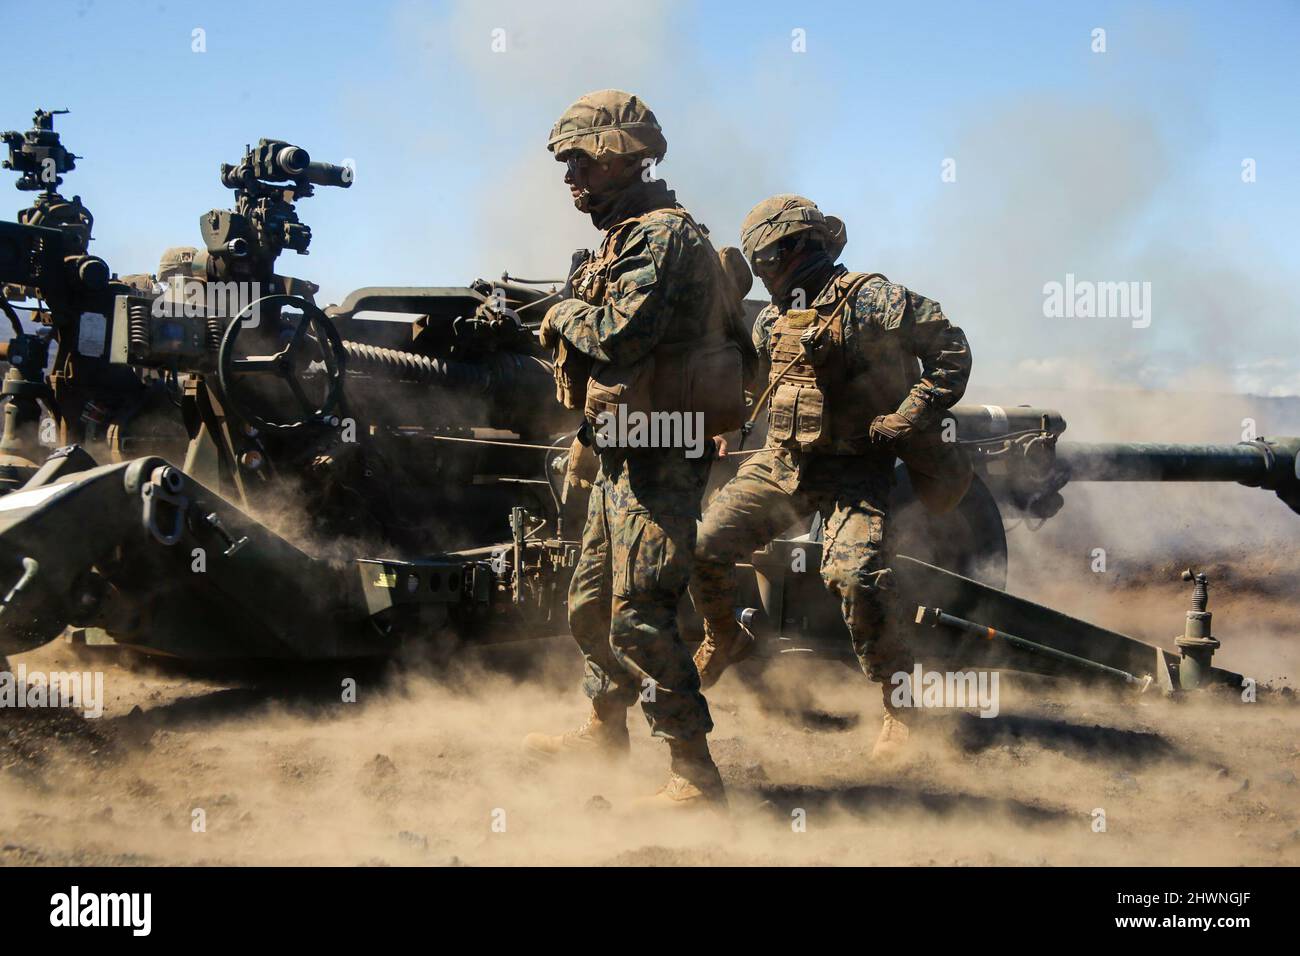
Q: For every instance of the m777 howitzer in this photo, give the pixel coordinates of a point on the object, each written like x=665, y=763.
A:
x=422, y=455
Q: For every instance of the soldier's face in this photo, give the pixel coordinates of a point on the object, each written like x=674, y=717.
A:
x=771, y=265
x=776, y=264
x=585, y=177
x=577, y=166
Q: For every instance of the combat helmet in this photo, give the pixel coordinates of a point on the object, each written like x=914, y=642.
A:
x=787, y=215
x=187, y=262
x=606, y=124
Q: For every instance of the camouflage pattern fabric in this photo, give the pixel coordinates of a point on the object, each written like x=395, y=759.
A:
x=919, y=360
x=770, y=492
x=608, y=123
x=650, y=285
x=653, y=282
x=916, y=362
x=634, y=568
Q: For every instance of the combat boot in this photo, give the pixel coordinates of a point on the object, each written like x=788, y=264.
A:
x=603, y=735
x=723, y=646
x=894, y=733
x=693, y=780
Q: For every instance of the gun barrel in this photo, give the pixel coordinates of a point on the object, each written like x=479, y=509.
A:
x=328, y=174
x=1266, y=464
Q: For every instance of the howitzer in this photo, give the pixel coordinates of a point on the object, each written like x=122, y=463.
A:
x=423, y=451
x=954, y=565
x=367, y=605
x=130, y=579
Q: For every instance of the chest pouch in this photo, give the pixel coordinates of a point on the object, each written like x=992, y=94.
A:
x=797, y=411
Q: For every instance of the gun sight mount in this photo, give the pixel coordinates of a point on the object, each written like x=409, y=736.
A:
x=244, y=242
x=38, y=156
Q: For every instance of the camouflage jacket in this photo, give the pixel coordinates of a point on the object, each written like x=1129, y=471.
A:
x=917, y=357
x=654, y=282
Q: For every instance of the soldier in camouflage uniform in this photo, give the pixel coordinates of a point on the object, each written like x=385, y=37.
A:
x=860, y=368
x=651, y=289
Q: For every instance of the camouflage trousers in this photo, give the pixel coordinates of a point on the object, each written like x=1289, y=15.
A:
x=634, y=569
x=773, y=490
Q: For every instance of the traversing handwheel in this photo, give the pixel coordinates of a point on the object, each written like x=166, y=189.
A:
x=314, y=339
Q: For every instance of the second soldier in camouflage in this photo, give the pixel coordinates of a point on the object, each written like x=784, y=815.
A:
x=860, y=368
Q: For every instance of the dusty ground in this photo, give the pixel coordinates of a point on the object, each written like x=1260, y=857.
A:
x=428, y=770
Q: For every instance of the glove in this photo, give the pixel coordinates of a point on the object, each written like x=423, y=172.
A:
x=580, y=469
x=890, y=430
x=547, y=332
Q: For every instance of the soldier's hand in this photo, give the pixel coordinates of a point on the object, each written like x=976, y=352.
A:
x=890, y=430
x=581, y=468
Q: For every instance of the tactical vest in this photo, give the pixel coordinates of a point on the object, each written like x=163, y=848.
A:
x=701, y=374
x=815, y=404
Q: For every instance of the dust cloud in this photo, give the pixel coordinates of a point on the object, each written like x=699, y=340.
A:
x=427, y=769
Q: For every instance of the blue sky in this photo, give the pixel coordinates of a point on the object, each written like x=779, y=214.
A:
x=1114, y=166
